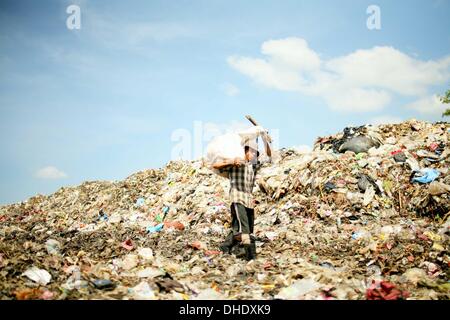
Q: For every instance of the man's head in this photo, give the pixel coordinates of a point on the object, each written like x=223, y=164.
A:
x=251, y=154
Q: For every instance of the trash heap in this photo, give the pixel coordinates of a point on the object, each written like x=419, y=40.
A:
x=364, y=215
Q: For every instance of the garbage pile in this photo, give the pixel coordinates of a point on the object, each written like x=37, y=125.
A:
x=364, y=215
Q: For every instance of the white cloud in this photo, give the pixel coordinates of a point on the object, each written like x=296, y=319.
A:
x=230, y=89
x=431, y=105
x=266, y=74
x=390, y=69
x=363, y=81
x=50, y=172
x=291, y=52
x=386, y=119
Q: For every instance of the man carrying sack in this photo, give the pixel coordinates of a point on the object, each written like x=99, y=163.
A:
x=242, y=174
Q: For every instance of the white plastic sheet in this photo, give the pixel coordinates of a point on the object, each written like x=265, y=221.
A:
x=40, y=276
x=231, y=145
x=227, y=146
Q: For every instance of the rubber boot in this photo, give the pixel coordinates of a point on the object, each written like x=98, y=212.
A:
x=228, y=244
x=253, y=249
x=250, y=251
x=256, y=239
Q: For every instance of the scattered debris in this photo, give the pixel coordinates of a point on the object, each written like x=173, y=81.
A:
x=346, y=220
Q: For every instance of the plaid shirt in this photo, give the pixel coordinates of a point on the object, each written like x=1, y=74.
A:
x=242, y=179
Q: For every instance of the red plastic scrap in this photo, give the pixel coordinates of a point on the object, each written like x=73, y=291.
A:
x=327, y=293
x=322, y=140
x=433, y=146
x=267, y=265
x=421, y=236
x=174, y=224
x=128, y=245
x=28, y=294
x=385, y=291
x=212, y=252
x=34, y=294
x=389, y=245
x=393, y=153
x=47, y=295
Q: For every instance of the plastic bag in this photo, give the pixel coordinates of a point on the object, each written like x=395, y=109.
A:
x=427, y=175
x=253, y=133
x=40, y=276
x=358, y=144
x=231, y=145
x=227, y=146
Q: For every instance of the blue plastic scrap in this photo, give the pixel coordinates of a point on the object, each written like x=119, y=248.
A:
x=165, y=211
x=356, y=235
x=102, y=216
x=427, y=175
x=140, y=202
x=158, y=227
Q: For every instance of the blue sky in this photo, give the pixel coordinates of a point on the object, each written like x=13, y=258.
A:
x=102, y=102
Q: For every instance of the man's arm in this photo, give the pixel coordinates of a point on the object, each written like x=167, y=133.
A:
x=268, y=149
x=227, y=163
x=267, y=140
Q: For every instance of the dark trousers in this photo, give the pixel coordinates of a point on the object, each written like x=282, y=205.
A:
x=242, y=223
x=243, y=219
